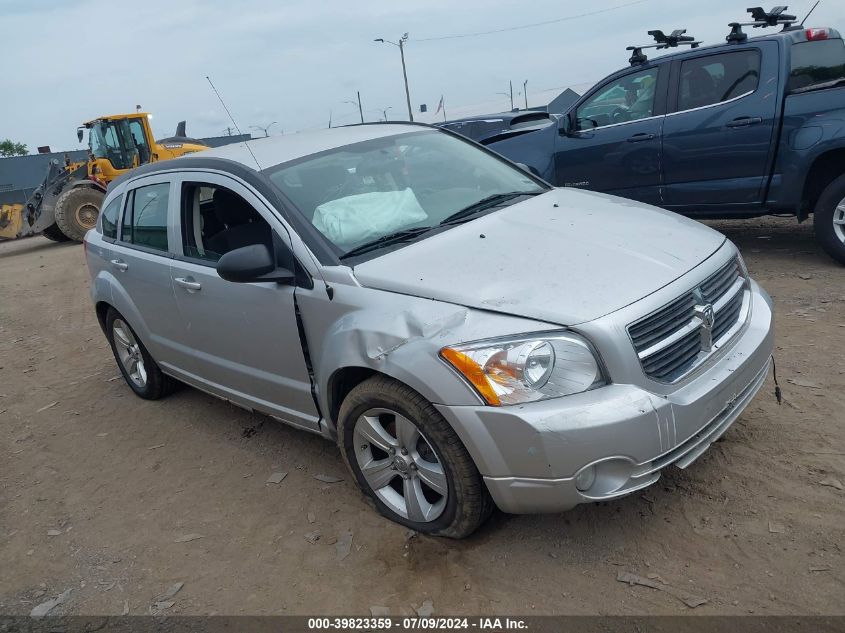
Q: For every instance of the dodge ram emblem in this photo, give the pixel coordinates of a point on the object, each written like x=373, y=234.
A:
x=707, y=316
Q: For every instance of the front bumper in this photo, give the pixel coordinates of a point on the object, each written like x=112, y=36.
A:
x=619, y=436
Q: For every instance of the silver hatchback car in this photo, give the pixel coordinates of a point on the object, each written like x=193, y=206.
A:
x=468, y=335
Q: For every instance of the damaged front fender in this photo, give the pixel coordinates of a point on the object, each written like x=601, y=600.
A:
x=396, y=335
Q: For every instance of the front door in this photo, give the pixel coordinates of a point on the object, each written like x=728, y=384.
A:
x=614, y=142
x=244, y=336
x=718, y=138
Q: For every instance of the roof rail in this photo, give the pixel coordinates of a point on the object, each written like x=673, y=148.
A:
x=662, y=41
x=761, y=19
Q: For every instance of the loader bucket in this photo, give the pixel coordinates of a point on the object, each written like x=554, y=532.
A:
x=12, y=221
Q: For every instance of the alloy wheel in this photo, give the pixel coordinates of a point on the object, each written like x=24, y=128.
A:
x=839, y=221
x=129, y=353
x=400, y=465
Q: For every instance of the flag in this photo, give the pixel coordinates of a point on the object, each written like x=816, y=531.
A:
x=439, y=105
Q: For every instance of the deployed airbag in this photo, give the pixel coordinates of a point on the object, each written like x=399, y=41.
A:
x=367, y=216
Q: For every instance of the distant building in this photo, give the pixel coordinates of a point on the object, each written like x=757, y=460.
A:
x=21, y=175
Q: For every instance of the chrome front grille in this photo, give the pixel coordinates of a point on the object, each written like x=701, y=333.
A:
x=678, y=337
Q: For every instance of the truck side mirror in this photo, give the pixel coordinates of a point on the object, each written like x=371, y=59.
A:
x=79, y=134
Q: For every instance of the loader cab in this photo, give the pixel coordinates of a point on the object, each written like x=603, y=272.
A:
x=117, y=144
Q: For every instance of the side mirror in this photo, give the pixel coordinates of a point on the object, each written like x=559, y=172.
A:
x=251, y=263
x=79, y=133
x=566, y=126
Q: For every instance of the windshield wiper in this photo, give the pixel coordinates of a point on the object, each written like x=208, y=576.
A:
x=405, y=235
x=486, y=203
x=821, y=86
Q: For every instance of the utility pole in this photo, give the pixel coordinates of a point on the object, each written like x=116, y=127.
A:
x=358, y=103
x=401, y=45
x=525, y=92
x=330, y=119
x=510, y=83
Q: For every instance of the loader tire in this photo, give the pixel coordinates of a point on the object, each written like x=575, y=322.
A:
x=54, y=233
x=77, y=210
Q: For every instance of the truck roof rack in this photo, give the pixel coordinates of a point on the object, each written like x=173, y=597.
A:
x=673, y=40
x=761, y=19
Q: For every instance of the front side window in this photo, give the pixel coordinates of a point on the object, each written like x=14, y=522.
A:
x=145, y=218
x=358, y=194
x=718, y=78
x=815, y=63
x=109, y=216
x=628, y=98
x=216, y=220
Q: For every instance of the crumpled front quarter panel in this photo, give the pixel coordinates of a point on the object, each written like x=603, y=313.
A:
x=397, y=335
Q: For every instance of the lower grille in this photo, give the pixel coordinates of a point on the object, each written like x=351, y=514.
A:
x=675, y=339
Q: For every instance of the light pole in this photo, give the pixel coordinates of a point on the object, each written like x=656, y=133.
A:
x=266, y=130
x=401, y=45
x=508, y=94
x=525, y=92
x=358, y=103
x=382, y=110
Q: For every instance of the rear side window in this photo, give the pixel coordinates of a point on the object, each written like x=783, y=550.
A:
x=718, y=78
x=145, y=219
x=816, y=63
x=110, y=214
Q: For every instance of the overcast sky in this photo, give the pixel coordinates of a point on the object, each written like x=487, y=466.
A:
x=67, y=61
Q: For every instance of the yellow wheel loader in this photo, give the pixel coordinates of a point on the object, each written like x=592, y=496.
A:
x=66, y=205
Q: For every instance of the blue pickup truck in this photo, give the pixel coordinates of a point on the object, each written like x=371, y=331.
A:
x=751, y=127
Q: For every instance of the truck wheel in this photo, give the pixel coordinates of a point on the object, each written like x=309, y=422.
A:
x=409, y=461
x=140, y=371
x=77, y=210
x=829, y=220
x=55, y=234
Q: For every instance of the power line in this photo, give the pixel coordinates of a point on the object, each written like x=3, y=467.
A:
x=529, y=26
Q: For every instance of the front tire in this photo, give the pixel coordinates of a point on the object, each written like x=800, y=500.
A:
x=409, y=461
x=829, y=220
x=77, y=210
x=140, y=371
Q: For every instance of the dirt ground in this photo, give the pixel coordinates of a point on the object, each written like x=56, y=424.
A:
x=97, y=487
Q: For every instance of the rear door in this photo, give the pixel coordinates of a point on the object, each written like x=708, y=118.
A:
x=614, y=142
x=245, y=343
x=140, y=262
x=717, y=138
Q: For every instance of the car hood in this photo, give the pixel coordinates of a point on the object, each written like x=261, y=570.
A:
x=564, y=257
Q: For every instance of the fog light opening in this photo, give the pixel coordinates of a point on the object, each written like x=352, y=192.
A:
x=585, y=479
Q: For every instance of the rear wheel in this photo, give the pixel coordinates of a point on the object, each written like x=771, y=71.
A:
x=55, y=234
x=829, y=220
x=409, y=461
x=77, y=210
x=140, y=371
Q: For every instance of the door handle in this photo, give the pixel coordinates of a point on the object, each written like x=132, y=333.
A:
x=188, y=283
x=639, y=138
x=745, y=121
x=119, y=264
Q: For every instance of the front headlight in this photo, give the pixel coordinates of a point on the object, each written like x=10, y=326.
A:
x=527, y=368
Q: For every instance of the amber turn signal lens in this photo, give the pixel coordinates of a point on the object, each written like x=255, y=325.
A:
x=472, y=371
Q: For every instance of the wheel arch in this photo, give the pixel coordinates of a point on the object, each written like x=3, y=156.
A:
x=826, y=168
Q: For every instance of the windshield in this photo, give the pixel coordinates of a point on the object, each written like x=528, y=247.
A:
x=816, y=63
x=114, y=141
x=360, y=193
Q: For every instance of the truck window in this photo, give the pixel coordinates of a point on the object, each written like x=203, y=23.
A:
x=717, y=78
x=625, y=99
x=816, y=63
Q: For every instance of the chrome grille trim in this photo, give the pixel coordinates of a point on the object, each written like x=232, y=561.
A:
x=672, y=341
